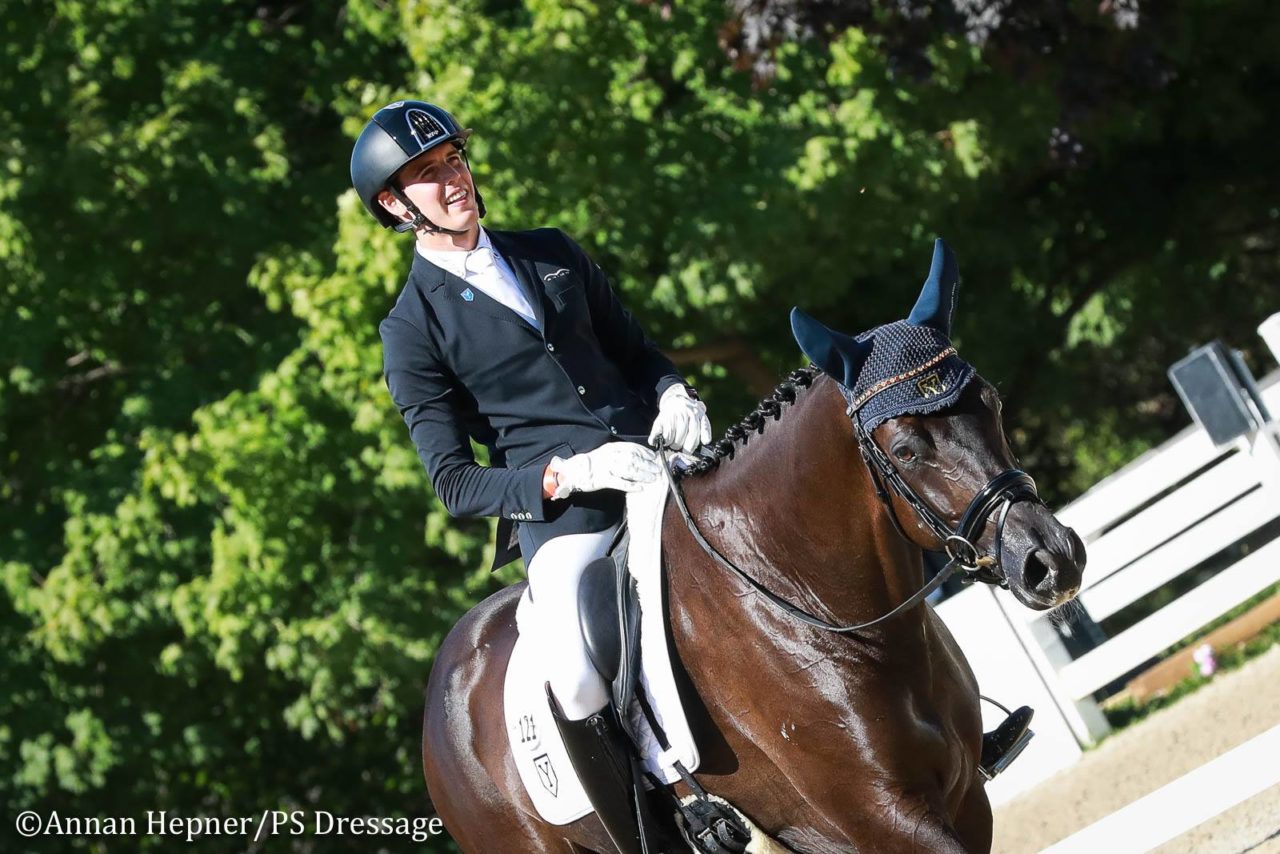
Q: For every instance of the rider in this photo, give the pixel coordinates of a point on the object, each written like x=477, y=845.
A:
x=515, y=339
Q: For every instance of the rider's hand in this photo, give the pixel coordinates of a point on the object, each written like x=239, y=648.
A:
x=625, y=466
x=682, y=422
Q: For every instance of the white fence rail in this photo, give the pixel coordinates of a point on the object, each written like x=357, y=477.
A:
x=1161, y=516
x=1142, y=533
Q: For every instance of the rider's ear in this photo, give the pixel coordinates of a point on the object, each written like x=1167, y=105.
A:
x=835, y=353
x=390, y=203
x=937, y=300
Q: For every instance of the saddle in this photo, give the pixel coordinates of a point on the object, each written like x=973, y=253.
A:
x=622, y=618
x=618, y=595
x=609, y=618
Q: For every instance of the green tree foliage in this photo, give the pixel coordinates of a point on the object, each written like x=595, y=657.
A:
x=224, y=572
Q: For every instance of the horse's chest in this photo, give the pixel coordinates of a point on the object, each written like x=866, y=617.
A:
x=865, y=723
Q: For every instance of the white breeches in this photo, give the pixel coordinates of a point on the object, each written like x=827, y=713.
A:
x=553, y=582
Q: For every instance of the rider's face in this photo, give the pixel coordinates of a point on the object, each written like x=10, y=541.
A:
x=439, y=183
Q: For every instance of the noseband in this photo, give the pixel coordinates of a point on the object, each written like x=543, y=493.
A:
x=1006, y=488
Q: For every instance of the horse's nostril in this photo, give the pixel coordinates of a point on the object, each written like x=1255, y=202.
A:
x=1035, y=571
x=1076, y=551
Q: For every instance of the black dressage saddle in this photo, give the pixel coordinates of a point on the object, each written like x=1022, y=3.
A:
x=609, y=616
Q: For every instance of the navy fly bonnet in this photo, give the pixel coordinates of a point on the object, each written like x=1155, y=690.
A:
x=907, y=367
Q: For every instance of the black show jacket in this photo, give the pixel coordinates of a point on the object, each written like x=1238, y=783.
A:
x=462, y=366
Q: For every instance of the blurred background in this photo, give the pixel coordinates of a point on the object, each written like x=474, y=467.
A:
x=224, y=572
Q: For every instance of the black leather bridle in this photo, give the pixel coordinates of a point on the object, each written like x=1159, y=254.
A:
x=960, y=543
x=1006, y=488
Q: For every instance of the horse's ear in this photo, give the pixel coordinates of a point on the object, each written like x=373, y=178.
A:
x=835, y=353
x=937, y=300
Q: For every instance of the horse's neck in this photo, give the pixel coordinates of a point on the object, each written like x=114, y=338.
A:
x=796, y=509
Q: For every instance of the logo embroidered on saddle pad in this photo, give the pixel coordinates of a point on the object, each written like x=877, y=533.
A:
x=547, y=774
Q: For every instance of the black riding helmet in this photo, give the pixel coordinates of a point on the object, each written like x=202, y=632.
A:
x=396, y=134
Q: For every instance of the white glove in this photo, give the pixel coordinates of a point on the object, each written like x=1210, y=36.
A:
x=616, y=465
x=682, y=422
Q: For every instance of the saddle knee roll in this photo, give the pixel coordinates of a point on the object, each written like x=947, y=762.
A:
x=598, y=616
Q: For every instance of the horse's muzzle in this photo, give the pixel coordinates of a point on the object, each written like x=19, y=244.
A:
x=1043, y=559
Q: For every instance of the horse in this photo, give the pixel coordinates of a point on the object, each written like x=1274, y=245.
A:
x=822, y=501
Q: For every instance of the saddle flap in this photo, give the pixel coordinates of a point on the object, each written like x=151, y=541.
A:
x=628, y=597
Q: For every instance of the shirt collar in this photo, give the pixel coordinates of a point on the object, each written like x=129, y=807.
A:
x=455, y=260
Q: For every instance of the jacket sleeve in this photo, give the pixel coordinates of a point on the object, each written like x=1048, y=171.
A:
x=427, y=396
x=647, y=370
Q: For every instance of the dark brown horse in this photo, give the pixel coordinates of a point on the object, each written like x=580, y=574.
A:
x=865, y=741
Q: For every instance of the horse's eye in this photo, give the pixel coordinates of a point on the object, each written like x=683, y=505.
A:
x=903, y=452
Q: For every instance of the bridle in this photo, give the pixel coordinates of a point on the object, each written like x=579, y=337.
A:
x=1006, y=488
x=1003, y=491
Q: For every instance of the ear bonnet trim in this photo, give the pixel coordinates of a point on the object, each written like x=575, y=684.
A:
x=885, y=383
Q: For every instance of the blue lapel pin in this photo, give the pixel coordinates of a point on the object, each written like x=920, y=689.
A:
x=468, y=295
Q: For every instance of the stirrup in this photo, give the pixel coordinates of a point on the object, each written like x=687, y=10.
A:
x=709, y=824
x=711, y=827
x=1003, y=744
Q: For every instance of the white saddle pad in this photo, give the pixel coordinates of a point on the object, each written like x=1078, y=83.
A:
x=535, y=742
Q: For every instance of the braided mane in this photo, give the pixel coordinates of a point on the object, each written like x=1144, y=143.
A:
x=710, y=455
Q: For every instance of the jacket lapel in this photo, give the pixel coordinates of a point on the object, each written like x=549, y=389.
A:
x=439, y=281
x=523, y=267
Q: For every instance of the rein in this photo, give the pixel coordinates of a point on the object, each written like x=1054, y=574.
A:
x=1008, y=487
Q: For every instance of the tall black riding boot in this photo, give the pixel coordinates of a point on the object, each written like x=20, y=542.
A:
x=600, y=755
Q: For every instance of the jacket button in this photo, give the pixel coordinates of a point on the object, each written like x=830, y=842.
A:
x=581, y=390
x=551, y=348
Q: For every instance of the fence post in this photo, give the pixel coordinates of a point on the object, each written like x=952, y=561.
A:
x=1005, y=665
x=1264, y=446
x=1269, y=329
x=1047, y=653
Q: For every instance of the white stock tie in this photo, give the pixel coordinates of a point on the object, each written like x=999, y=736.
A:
x=481, y=269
